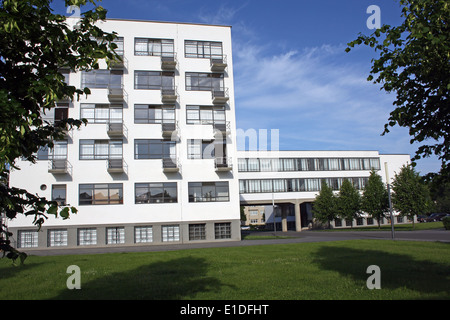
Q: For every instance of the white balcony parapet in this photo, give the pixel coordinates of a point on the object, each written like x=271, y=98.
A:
x=218, y=63
x=169, y=94
x=220, y=96
x=169, y=61
x=222, y=164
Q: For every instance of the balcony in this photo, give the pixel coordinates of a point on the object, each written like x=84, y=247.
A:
x=222, y=127
x=116, y=165
x=218, y=63
x=169, y=128
x=116, y=94
x=169, y=62
x=119, y=63
x=220, y=96
x=222, y=164
x=169, y=95
x=115, y=129
x=58, y=166
x=170, y=165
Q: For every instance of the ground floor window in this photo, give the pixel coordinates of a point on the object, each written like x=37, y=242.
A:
x=143, y=234
x=170, y=233
x=115, y=235
x=27, y=239
x=57, y=238
x=197, y=232
x=222, y=230
x=87, y=236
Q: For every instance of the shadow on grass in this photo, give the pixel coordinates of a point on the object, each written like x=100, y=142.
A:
x=397, y=270
x=176, y=279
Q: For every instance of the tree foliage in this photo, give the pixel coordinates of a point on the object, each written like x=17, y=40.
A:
x=348, y=201
x=375, y=198
x=324, y=207
x=414, y=62
x=35, y=45
x=410, y=194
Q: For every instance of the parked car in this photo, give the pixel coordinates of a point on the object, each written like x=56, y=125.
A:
x=422, y=218
x=435, y=217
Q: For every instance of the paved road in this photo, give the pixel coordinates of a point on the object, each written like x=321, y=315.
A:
x=294, y=237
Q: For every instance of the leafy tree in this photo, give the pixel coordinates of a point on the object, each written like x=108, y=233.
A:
x=375, y=198
x=414, y=62
x=35, y=44
x=348, y=201
x=410, y=195
x=324, y=207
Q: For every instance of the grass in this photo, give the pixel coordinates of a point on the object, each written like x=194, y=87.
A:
x=397, y=227
x=331, y=270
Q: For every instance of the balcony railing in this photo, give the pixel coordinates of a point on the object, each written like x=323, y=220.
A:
x=169, y=61
x=116, y=165
x=170, y=165
x=218, y=63
x=223, y=164
x=169, y=94
x=222, y=127
x=59, y=166
x=116, y=129
x=117, y=94
x=169, y=128
x=220, y=96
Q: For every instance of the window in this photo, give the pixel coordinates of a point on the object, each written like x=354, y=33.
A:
x=200, y=149
x=154, y=149
x=101, y=194
x=154, y=80
x=57, y=238
x=101, y=79
x=87, y=236
x=115, y=235
x=204, y=81
x=205, y=115
x=170, y=233
x=208, y=191
x=59, y=151
x=156, y=192
x=59, y=194
x=197, y=231
x=202, y=49
x=143, y=234
x=27, y=239
x=100, y=149
x=144, y=113
x=153, y=47
x=222, y=230
x=102, y=113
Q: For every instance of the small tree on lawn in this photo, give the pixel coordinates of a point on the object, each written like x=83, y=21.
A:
x=375, y=198
x=410, y=195
x=324, y=207
x=348, y=201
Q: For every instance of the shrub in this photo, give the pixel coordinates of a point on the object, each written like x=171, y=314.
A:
x=446, y=221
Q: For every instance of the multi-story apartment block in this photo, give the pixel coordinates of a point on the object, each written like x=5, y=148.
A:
x=156, y=162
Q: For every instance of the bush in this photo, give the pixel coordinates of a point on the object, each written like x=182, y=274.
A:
x=446, y=221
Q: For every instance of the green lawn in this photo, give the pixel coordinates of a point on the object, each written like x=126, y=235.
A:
x=328, y=270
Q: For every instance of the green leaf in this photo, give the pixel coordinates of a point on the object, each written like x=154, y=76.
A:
x=64, y=213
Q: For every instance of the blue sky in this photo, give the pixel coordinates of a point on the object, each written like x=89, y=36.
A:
x=291, y=71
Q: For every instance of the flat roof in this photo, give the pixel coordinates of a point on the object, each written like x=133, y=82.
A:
x=170, y=22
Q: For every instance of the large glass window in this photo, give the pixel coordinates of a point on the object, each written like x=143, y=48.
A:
x=208, y=191
x=87, y=236
x=102, y=113
x=59, y=194
x=144, y=113
x=100, y=149
x=154, y=149
x=204, y=81
x=203, y=49
x=101, y=79
x=154, y=80
x=170, y=233
x=153, y=47
x=205, y=115
x=101, y=194
x=57, y=237
x=156, y=192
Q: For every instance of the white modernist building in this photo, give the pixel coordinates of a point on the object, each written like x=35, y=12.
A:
x=157, y=162
x=287, y=182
